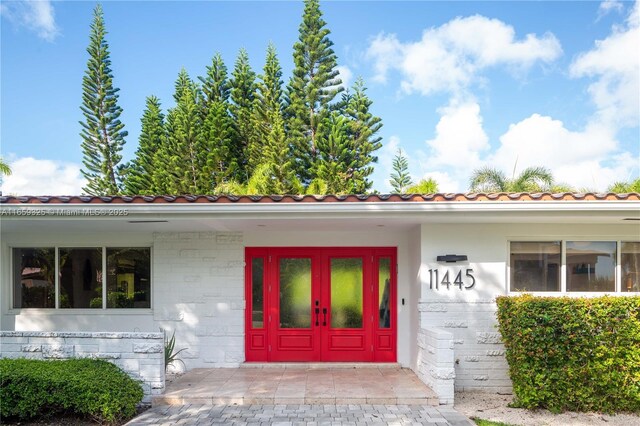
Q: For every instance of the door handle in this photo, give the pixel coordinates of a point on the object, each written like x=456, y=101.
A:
x=317, y=316
x=324, y=312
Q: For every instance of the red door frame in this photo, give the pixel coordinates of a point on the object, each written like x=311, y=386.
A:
x=320, y=342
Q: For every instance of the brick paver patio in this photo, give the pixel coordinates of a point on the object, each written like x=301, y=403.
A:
x=299, y=414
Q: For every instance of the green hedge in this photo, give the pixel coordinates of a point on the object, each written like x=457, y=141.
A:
x=578, y=354
x=94, y=388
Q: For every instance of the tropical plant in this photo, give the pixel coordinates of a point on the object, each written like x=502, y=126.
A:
x=4, y=168
x=532, y=179
x=425, y=186
x=625, y=187
x=170, y=352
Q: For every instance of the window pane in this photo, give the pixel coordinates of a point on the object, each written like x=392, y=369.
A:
x=591, y=265
x=257, y=292
x=384, y=283
x=128, y=278
x=34, y=278
x=346, y=293
x=80, y=277
x=295, y=293
x=535, y=266
x=630, y=266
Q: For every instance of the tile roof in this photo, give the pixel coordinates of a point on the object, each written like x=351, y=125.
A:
x=372, y=198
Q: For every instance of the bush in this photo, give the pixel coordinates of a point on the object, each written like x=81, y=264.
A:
x=578, y=354
x=34, y=388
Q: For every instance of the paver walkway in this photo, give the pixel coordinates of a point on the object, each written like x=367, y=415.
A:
x=298, y=414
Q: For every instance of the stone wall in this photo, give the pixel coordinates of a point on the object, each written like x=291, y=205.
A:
x=199, y=294
x=141, y=355
x=477, y=346
x=435, y=362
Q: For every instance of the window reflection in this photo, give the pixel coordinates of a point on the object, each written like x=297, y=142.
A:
x=535, y=266
x=34, y=278
x=80, y=277
x=384, y=282
x=591, y=266
x=630, y=256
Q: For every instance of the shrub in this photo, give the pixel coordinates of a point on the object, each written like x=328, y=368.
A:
x=34, y=388
x=578, y=354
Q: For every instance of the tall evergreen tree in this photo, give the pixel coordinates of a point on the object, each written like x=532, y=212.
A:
x=215, y=84
x=267, y=106
x=400, y=178
x=243, y=93
x=336, y=162
x=139, y=177
x=221, y=153
x=363, y=129
x=313, y=86
x=180, y=161
x=102, y=131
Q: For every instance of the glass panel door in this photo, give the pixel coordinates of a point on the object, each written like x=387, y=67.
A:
x=346, y=293
x=295, y=293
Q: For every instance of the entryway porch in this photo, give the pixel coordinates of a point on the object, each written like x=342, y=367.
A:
x=299, y=383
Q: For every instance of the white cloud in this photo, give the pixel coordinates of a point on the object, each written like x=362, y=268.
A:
x=574, y=157
x=450, y=58
x=608, y=6
x=32, y=176
x=458, y=131
x=35, y=15
x=345, y=75
x=615, y=64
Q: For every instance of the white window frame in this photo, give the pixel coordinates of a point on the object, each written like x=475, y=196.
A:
x=57, y=309
x=563, y=267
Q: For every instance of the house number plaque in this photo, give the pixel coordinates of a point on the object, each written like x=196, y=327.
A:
x=441, y=278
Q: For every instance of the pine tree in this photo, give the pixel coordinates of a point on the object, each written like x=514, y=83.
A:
x=267, y=105
x=215, y=85
x=279, y=160
x=102, y=131
x=243, y=93
x=180, y=161
x=313, y=86
x=336, y=162
x=400, y=178
x=363, y=127
x=139, y=178
x=221, y=159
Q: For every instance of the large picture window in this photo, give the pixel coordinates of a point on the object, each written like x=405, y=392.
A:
x=591, y=266
x=81, y=281
x=34, y=271
x=535, y=266
x=574, y=266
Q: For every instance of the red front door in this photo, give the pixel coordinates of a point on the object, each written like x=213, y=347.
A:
x=320, y=304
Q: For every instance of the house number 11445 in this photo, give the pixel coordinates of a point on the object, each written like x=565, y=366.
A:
x=467, y=281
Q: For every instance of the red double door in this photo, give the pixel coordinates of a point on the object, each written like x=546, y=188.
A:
x=321, y=304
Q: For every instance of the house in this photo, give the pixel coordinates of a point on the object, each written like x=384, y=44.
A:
x=410, y=279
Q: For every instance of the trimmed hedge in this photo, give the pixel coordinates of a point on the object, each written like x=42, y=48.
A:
x=35, y=388
x=577, y=354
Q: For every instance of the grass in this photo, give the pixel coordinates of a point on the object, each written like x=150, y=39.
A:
x=482, y=422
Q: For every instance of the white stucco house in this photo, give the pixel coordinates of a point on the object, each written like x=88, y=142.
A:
x=379, y=278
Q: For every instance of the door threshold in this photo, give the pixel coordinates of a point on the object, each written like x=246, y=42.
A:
x=321, y=365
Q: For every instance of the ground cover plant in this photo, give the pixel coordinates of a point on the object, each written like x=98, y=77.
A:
x=577, y=354
x=96, y=389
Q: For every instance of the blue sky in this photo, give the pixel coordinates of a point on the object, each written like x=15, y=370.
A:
x=459, y=85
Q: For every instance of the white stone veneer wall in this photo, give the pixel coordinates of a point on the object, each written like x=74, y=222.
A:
x=141, y=355
x=435, y=362
x=199, y=294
